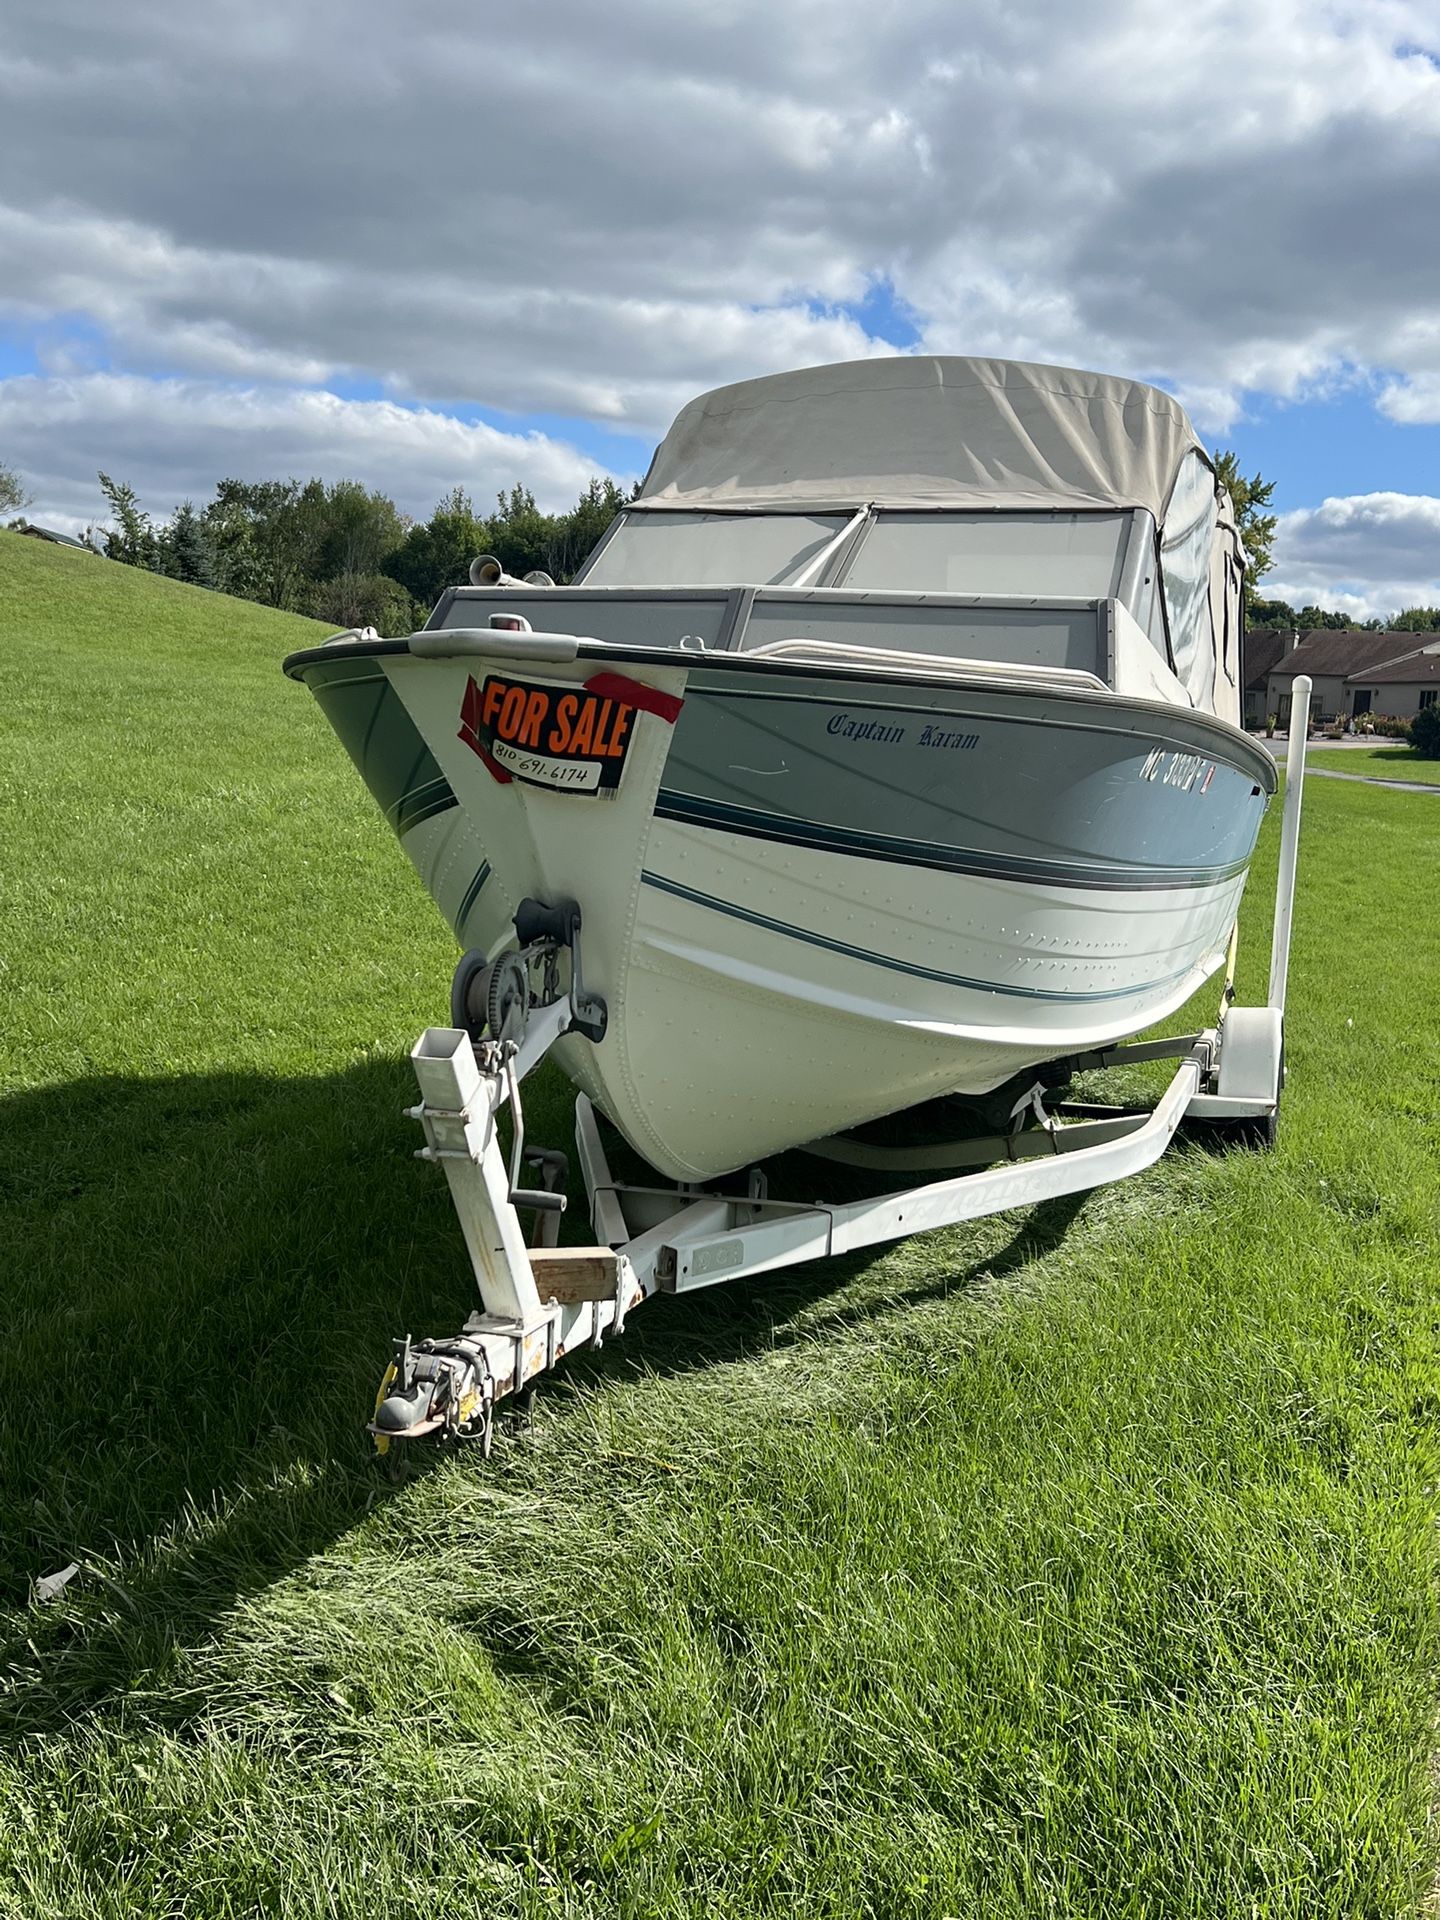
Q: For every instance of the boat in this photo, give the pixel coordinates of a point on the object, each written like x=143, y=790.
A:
x=886, y=747
x=884, y=759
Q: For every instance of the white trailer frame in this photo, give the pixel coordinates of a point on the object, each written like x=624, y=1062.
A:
x=539, y=1303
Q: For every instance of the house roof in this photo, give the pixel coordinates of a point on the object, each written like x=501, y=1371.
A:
x=1339, y=651
x=1421, y=669
x=1264, y=647
x=60, y=539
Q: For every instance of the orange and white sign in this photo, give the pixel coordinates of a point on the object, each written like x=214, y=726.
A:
x=567, y=738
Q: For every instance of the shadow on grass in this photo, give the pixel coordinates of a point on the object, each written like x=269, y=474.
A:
x=202, y=1275
x=728, y=1323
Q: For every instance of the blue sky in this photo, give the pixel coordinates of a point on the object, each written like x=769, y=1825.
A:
x=331, y=240
x=1342, y=445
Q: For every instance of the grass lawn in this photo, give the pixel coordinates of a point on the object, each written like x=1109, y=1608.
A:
x=1377, y=763
x=1079, y=1563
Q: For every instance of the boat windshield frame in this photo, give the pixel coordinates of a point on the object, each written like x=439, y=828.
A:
x=858, y=521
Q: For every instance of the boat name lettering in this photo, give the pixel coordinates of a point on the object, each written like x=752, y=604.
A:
x=852, y=729
x=880, y=734
x=942, y=737
x=571, y=739
x=1187, y=771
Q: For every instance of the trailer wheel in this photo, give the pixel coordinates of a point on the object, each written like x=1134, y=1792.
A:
x=1259, y=1133
x=1262, y=1132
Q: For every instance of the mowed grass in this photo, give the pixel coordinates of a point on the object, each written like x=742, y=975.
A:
x=1082, y=1562
x=1377, y=763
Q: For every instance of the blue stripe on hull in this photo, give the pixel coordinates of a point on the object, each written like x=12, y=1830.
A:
x=472, y=894
x=873, y=959
x=693, y=811
x=434, y=796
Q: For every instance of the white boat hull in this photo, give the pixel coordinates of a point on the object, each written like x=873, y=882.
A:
x=772, y=979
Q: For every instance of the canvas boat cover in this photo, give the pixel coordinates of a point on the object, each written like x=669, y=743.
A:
x=965, y=434
x=922, y=431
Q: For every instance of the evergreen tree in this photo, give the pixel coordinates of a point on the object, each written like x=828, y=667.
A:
x=185, y=550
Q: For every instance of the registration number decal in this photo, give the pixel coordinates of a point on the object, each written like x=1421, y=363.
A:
x=1188, y=771
x=571, y=739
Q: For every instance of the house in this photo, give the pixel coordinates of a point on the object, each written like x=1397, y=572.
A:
x=1402, y=687
x=1263, y=649
x=49, y=533
x=1344, y=667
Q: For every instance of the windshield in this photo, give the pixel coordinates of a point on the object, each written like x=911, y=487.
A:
x=711, y=549
x=1041, y=555
x=1045, y=554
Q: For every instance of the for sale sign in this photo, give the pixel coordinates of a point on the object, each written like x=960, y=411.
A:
x=571, y=739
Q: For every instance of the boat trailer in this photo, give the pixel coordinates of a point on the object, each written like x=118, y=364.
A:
x=542, y=1301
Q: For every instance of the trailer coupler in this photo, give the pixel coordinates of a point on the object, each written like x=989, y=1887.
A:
x=440, y=1387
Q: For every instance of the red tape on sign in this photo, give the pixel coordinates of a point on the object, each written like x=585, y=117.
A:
x=618, y=686
x=470, y=732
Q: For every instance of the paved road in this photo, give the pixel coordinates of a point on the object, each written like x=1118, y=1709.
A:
x=1366, y=780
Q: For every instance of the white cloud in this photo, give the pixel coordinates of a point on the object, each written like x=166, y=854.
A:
x=1414, y=402
x=1171, y=186
x=595, y=212
x=1369, y=555
x=174, y=439
x=619, y=358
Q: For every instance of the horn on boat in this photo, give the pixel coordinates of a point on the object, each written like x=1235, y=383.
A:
x=486, y=571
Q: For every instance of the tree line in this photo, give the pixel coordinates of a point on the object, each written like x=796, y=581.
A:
x=1279, y=613
x=345, y=552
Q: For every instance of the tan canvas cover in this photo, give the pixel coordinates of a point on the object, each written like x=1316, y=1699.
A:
x=926, y=430
x=936, y=431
